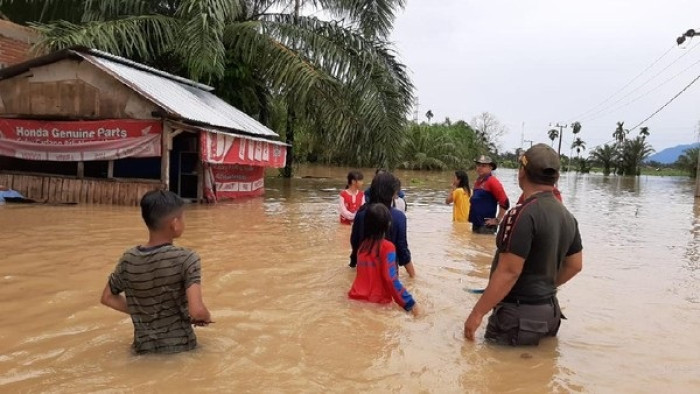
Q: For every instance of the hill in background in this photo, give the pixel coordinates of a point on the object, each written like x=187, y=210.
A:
x=670, y=155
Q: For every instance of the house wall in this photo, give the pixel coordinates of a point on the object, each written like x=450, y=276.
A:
x=57, y=189
x=15, y=43
x=70, y=89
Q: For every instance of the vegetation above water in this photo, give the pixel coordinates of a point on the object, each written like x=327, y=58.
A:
x=329, y=82
x=325, y=67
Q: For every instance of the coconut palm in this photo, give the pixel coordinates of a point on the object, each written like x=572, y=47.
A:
x=553, y=135
x=644, y=132
x=340, y=74
x=576, y=127
x=688, y=161
x=634, y=152
x=620, y=133
x=428, y=148
x=429, y=115
x=605, y=156
x=579, y=145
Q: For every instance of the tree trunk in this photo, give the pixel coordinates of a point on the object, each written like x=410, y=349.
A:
x=289, y=135
x=291, y=115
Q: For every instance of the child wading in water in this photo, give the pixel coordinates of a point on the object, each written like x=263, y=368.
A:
x=460, y=195
x=377, y=277
x=161, y=281
x=352, y=198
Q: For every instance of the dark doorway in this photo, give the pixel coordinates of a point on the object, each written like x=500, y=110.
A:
x=184, y=165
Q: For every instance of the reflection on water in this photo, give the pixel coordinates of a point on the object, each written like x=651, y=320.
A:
x=276, y=278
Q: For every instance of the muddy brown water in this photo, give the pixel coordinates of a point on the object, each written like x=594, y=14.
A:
x=276, y=280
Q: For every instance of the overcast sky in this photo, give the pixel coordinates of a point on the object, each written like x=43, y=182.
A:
x=548, y=61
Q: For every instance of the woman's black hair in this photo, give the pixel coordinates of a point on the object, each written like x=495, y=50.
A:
x=463, y=180
x=354, y=175
x=384, y=187
x=377, y=223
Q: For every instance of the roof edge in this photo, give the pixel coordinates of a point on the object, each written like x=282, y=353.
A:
x=139, y=66
x=84, y=53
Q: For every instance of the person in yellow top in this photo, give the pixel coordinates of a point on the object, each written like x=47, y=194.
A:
x=460, y=195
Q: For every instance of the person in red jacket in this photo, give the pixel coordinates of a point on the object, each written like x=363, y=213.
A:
x=377, y=278
x=352, y=198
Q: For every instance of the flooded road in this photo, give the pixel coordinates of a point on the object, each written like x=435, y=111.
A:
x=275, y=278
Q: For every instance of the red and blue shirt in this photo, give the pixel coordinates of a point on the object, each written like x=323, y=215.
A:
x=377, y=278
x=487, y=195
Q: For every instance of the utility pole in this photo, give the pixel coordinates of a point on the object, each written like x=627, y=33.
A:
x=530, y=141
x=680, y=40
x=561, y=134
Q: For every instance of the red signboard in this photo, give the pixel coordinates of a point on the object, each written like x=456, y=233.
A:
x=80, y=140
x=219, y=148
x=227, y=181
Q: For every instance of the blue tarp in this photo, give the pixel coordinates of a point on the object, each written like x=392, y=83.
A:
x=9, y=193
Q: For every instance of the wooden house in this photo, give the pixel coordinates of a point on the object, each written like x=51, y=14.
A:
x=80, y=125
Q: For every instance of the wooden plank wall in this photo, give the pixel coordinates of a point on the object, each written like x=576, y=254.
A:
x=54, y=189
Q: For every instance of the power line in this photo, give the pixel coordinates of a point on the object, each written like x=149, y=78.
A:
x=667, y=103
x=644, y=83
x=625, y=86
x=648, y=92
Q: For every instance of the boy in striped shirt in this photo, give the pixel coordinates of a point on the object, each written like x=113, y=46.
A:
x=161, y=282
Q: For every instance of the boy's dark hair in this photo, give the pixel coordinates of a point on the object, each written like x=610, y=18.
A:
x=384, y=186
x=463, y=180
x=157, y=205
x=377, y=222
x=354, y=175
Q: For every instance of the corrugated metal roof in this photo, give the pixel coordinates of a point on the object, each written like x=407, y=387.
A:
x=178, y=96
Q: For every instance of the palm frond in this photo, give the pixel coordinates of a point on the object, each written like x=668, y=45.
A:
x=201, y=44
x=141, y=37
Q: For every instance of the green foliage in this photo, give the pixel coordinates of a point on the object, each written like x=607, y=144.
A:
x=440, y=146
x=338, y=78
x=605, y=156
x=631, y=155
x=688, y=161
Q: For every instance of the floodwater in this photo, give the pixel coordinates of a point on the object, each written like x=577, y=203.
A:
x=276, y=281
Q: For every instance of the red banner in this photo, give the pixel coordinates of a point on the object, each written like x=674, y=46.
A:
x=227, y=181
x=219, y=148
x=80, y=140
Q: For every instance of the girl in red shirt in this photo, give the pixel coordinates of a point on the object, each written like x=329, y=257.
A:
x=377, y=277
x=352, y=198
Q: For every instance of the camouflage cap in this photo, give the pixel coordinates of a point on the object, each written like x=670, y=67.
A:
x=542, y=164
x=483, y=159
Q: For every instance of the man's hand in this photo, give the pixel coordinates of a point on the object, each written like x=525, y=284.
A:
x=472, y=324
x=492, y=222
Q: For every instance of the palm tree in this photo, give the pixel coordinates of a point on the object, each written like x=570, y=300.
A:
x=688, y=161
x=620, y=133
x=341, y=75
x=644, y=132
x=429, y=115
x=553, y=135
x=576, y=127
x=428, y=148
x=579, y=145
x=633, y=153
x=605, y=156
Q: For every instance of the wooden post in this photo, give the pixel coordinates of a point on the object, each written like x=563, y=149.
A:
x=200, y=172
x=697, y=178
x=110, y=169
x=165, y=157
x=81, y=169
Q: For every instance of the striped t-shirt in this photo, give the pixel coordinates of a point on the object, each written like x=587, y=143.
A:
x=155, y=281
